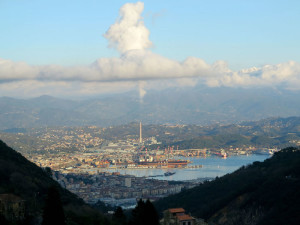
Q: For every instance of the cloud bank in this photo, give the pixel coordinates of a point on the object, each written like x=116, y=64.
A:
x=138, y=65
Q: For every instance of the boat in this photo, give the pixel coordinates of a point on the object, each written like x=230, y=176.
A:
x=169, y=173
x=167, y=163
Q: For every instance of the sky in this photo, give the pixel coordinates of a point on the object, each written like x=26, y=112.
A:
x=86, y=48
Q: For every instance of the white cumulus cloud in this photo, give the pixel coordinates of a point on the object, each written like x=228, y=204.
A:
x=129, y=32
x=136, y=67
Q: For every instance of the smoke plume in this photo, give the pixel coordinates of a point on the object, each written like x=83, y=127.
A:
x=142, y=91
x=129, y=32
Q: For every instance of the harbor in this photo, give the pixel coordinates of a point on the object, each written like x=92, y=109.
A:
x=212, y=167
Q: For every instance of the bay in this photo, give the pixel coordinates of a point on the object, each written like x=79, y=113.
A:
x=212, y=167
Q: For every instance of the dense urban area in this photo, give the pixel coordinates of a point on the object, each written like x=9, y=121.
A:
x=120, y=166
x=87, y=160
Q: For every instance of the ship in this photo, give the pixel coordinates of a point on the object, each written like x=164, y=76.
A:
x=169, y=173
x=166, y=163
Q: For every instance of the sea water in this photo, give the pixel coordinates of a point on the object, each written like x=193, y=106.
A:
x=212, y=167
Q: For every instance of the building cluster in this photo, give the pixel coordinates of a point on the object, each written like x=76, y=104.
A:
x=77, y=162
x=115, y=154
x=113, y=186
x=63, y=139
x=71, y=139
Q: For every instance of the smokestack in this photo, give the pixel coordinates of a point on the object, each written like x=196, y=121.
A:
x=140, y=132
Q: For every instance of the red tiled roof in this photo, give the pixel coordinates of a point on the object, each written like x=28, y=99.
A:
x=176, y=210
x=184, y=217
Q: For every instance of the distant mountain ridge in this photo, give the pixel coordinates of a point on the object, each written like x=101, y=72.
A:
x=199, y=105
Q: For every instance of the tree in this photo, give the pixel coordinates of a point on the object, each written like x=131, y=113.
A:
x=138, y=213
x=48, y=171
x=53, y=211
x=144, y=213
x=119, y=216
x=152, y=217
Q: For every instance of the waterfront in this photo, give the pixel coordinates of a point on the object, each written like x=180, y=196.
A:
x=212, y=167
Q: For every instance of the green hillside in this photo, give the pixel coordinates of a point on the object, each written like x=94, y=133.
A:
x=24, y=179
x=262, y=193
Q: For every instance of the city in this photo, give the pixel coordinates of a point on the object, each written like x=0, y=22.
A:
x=82, y=161
x=149, y=112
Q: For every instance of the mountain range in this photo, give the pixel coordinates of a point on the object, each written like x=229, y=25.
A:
x=197, y=105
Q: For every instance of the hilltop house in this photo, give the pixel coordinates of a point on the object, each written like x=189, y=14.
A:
x=177, y=216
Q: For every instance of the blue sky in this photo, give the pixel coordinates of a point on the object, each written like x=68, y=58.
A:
x=244, y=34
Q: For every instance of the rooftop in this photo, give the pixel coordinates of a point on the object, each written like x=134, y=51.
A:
x=184, y=217
x=177, y=210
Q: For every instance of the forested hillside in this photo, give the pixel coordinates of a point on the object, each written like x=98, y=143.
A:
x=31, y=183
x=262, y=193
